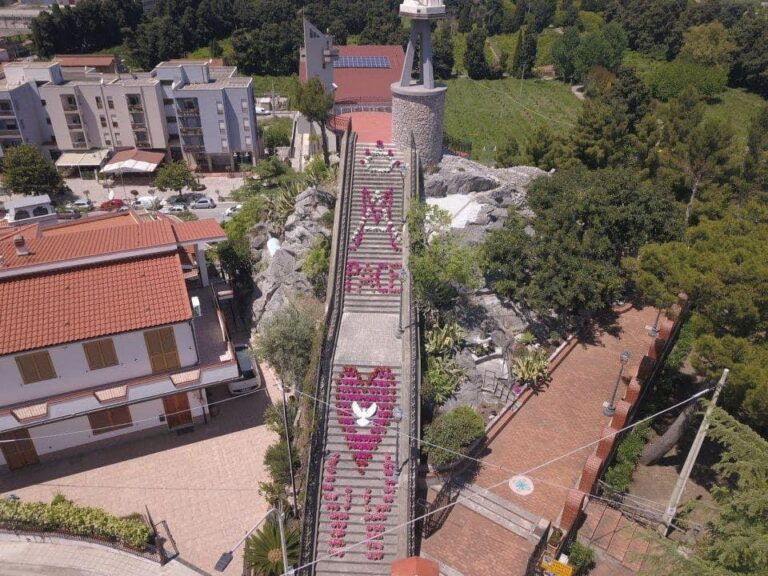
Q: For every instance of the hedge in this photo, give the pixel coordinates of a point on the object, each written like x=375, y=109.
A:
x=670, y=79
x=63, y=516
x=619, y=475
x=456, y=430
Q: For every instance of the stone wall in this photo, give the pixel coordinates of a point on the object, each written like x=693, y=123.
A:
x=419, y=111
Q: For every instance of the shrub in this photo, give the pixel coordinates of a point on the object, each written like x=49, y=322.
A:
x=619, y=475
x=581, y=557
x=273, y=418
x=64, y=516
x=276, y=459
x=442, y=380
x=455, y=431
x=316, y=264
x=263, y=550
x=669, y=80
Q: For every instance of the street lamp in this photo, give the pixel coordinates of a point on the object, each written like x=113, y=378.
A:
x=397, y=416
x=226, y=558
x=609, y=408
x=653, y=331
x=290, y=452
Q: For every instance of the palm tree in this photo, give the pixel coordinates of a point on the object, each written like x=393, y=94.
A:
x=264, y=553
x=531, y=367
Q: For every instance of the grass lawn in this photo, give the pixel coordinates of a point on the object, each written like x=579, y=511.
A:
x=504, y=43
x=284, y=85
x=544, y=46
x=488, y=111
x=227, y=51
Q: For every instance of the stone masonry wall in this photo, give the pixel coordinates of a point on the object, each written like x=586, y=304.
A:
x=420, y=113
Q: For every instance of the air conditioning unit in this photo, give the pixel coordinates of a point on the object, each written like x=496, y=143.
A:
x=197, y=310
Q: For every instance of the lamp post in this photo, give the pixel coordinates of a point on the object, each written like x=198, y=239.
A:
x=609, y=408
x=402, y=275
x=397, y=416
x=653, y=331
x=226, y=558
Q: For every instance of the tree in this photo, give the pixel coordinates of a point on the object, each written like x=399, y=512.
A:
x=316, y=104
x=174, y=176
x=603, y=47
x=651, y=25
x=474, y=58
x=156, y=40
x=508, y=154
x=708, y=44
x=671, y=78
x=525, y=54
x=601, y=135
x=442, y=54
x=235, y=257
x=755, y=170
x=564, y=53
x=278, y=463
x=633, y=94
x=450, y=435
x=750, y=63
x=263, y=550
x=27, y=171
x=286, y=342
x=542, y=12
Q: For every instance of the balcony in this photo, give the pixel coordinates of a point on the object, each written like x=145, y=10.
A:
x=143, y=143
x=76, y=127
x=15, y=133
x=79, y=145
x=194, y=147
x=135, y=107
x=138, y=125
x=70, y=106
x=190, y=129
x=7, y=113
x=186, y=112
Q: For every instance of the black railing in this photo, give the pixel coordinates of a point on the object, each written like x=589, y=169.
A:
x=312, y=500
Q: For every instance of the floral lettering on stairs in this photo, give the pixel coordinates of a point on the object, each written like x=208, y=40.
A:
x=376, y=208
x=380, y=277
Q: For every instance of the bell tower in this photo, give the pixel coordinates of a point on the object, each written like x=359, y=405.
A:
x=418, y=105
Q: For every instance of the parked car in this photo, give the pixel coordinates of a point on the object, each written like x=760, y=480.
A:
x=232, y=210
x=114, y=204
x=250, y=378
x=83, y=204
x=173, y=208
x=261, y=111
x=204, y=202
x=69, y=215
x=145, y=202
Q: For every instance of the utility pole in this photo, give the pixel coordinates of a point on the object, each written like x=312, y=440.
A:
x=280, y=519
x=290, y=451
x=693, y=454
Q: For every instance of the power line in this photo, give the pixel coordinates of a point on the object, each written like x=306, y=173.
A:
x=484, y=491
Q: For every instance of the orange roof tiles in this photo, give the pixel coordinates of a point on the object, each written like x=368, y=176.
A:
x=93, y=223
x=91, y=60
x=86, y=243
x=199, y=230
x=78, y=304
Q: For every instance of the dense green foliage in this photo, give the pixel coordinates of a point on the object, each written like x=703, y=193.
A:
x=525, y=54
x=174, y=176
x=619, y=474
x=451, y=434
x=263, y=550
x=286, y=342
x=316, y=104
x=64, y=516
x=672, y=78
x=27, y=171
x=276, y=460
x=315, y=265
x=275, y=422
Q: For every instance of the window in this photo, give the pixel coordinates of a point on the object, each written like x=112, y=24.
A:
x=224, y=143
x=103, y=120
x=118, y=141
x=100, y=353
x=222, y=127
x=114, y=121
x=168, y=101
x=247, y=140
x=110, y=103
x=246, y=124
x=110, y=420
x=39, y=211
x=170, y=119
x=99, y=103
x=161, y=348
x=35, y=367
x=219, y=107
x=244, y=105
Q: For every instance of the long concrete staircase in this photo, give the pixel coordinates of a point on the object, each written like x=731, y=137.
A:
x=360, y=478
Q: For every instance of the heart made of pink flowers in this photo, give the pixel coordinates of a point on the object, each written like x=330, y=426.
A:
x=380, y=387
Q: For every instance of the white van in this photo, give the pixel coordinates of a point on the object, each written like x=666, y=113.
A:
x=145, y=202
x=250, y=379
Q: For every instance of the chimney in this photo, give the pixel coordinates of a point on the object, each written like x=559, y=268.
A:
x=21, y=247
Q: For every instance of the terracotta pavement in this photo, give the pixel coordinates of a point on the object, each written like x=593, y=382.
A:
x=565, y=416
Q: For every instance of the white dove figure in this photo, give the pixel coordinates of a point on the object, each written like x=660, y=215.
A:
x=364, y=415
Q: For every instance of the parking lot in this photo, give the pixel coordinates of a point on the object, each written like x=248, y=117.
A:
x=203, y=484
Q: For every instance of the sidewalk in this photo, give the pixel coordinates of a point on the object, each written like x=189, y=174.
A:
x=28, y=555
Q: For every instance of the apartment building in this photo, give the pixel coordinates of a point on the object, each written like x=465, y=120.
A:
x=189, y=109
x=110, y=326
x=22, y=114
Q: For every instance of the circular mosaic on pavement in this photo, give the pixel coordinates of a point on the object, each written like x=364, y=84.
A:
x=521, y=485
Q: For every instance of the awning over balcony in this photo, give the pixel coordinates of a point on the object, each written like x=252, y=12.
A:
x=90, y=159
x=133, y=161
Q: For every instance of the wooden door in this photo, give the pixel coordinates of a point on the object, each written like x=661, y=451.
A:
x=20, y=451
x=177, y=412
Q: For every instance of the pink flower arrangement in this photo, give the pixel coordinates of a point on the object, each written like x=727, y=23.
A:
x=380, y=277
x=379, y=143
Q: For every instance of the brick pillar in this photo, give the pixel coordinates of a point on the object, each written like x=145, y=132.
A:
x=665, y=328
x=605, y=446
x=646, y=367
x=590, y=473
x=572, y=509
x=619, y=419
x=633, y=391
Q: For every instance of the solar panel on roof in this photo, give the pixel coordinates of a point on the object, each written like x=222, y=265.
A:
x=361, y=62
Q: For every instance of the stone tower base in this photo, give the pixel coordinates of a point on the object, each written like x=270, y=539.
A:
x=420, y=111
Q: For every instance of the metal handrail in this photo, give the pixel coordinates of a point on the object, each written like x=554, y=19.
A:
x=312, y=500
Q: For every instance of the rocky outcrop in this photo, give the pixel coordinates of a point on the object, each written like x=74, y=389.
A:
x=280, y=278
x=457, y=175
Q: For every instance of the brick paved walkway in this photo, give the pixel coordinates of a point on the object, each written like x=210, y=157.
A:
x=566, y=415
x=204, y=484
x=26, y=556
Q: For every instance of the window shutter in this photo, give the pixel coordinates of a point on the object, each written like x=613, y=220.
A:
x=93, y=355
x=109, y=420
x=99, y=421
x=44, y=366
x=170, y=353
x=27, y=369
x=35, y=367
x=155, y=350
x=108, y=354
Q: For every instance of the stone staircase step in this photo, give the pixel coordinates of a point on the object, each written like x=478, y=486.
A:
x=356, y=565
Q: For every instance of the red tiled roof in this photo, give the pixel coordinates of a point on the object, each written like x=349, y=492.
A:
x=199, y=230
x=368, y=84
x=86, y=243
x=93, y=223
x=67, y=306
x=93, y=60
